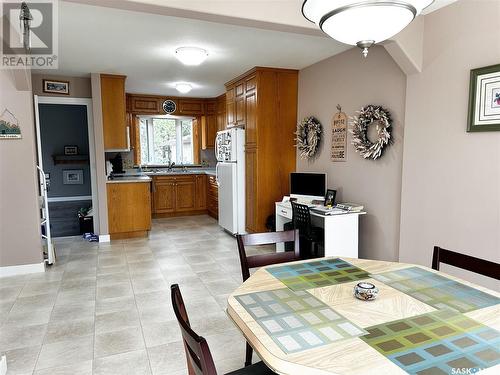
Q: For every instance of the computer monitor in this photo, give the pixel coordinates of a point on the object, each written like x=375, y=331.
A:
x=308, y=186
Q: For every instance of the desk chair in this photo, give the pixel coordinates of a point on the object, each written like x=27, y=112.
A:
x=466, y=262
x=313, y=236
x=261, y=260
x=199, y=358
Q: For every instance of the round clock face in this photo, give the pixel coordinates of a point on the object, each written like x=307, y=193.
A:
x=169, y=106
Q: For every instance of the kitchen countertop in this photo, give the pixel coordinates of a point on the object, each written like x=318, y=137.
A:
x=129, y=179
x=208, y=171
x=136, y=176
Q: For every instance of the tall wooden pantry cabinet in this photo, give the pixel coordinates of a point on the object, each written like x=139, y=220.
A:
x=264, y=102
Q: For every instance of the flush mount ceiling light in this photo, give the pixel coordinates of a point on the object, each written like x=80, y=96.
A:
x=191, y=55
x=183, y=88
x=362, y=23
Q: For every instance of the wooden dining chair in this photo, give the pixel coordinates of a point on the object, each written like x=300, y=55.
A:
x=199, y=358
x=466, y=262
x=254, y=261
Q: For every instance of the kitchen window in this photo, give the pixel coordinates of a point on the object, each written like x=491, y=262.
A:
x=166, y=140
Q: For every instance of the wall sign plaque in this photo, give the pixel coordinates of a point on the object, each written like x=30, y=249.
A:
x=339, y=136
x=9, y=126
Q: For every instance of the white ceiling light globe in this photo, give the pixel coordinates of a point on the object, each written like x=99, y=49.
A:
x=191, y=55
x=362, y=23
x=183, y=88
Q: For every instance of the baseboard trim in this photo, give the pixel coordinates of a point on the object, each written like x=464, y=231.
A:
x=23, y=269
x=177, y=214
x=125, y=235
x=104, y=238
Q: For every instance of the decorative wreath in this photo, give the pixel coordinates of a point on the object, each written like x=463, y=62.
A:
x=308, y=137
x=367, y=116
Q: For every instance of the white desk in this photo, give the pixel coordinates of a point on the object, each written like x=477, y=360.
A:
x=341, y=231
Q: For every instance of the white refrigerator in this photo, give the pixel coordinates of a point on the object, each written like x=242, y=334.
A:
x=230, y=174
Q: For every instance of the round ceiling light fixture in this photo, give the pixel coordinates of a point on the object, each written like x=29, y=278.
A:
x=191, y=55
x=362, y=23
x=183, y=88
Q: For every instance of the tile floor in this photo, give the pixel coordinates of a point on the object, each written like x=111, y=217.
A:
x=105, y=309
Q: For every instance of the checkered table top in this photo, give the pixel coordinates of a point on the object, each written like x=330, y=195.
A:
x=435, y=343
x=315, y=274
x=296, y=320
x=436, y=290
x=315, y=324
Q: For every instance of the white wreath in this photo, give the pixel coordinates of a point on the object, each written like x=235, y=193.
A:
x=308, y=137
x=366, y=117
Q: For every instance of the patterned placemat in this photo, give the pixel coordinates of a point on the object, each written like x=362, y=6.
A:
x=296, y=320
x=316, y=274
x=436, y=342
x=436, y=290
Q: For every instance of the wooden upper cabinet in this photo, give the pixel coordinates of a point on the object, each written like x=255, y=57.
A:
x=235, y=101
x=250, y=84
x=230, y=107
x=114, y=112
x=211, y=107
x=240, y=115
x=145, y=104
x=208, y=131
x=251, y=118
x=221, y=112
x=240, y=89
x=190, y=107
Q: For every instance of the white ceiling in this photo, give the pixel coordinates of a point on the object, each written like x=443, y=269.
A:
x=140, y=41
x=284, y=12
x=141, y=46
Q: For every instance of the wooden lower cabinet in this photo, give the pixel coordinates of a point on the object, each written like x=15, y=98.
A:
x=129, y=209
x=178, y=195
x=201, y=192
x=185, y=194
x=251, y=203
x=164, y=196
x=213, y=197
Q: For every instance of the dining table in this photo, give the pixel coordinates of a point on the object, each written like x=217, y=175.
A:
x=303, y=318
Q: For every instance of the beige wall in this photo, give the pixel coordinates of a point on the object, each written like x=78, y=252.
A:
x=19, y=222
x=352, y=81
x=79, y=87
x=451, y=179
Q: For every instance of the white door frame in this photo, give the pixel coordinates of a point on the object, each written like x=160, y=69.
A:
x=90, y=120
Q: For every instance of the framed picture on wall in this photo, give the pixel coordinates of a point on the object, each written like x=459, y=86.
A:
x=56, y=87
x=484, y=99
x=73, y=177
x=70, y=150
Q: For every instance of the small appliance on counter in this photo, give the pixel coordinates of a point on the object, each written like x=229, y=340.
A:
x=230, y=175
x=117, y=163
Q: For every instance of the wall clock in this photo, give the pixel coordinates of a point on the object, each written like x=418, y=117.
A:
x=169, y=106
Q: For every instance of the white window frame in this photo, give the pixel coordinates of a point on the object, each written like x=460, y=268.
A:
x=178, y=138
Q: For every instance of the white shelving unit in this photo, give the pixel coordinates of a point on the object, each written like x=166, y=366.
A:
x=44, y=219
